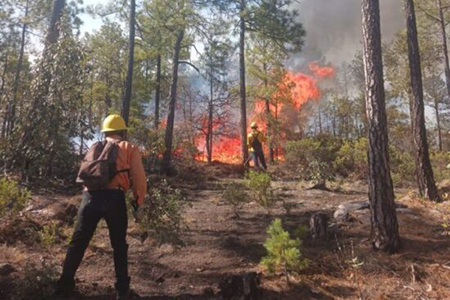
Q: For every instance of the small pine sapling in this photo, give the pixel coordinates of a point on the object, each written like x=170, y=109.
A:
x=48, y=235
x=283, y=253
x=234, y=195
x=259, y=185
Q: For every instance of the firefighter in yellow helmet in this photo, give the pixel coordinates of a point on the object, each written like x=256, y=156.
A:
x=255, y=140
x=106, y=201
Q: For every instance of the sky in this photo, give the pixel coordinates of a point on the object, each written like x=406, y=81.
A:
x=90, y=23
x=333, y=27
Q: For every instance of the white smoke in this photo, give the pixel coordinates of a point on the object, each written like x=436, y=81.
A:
x=333, y=28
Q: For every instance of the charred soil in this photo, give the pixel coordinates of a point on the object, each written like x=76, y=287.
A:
x=218, y=245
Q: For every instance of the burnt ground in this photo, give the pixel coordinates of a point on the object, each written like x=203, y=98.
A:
x=219, y=244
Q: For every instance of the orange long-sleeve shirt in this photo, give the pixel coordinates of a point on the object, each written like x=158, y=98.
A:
x=129, y=158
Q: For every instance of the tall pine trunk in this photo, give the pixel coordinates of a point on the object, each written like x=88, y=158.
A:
x=158, y=89
x=438, y=123
x=209, y=134
x=385, y=234
x=2, y=92
x=242, y=90
x=268, y=118
x=425, y=179
x=129, y=79
x=444, y=44
x=165, y=167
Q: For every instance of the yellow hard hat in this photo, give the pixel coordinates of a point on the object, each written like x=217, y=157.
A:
x=253, y=125
x=114, y=123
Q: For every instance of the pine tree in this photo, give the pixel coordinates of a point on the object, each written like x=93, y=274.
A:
x=385, y=234
x=425, y=178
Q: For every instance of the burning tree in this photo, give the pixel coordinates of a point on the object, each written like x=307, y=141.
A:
x=216, y=64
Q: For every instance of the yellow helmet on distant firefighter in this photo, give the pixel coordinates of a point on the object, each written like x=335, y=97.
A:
x=114, y=123
x=254, y=125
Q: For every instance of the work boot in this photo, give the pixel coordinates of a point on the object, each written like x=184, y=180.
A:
x=124, y=295
x=64, y=287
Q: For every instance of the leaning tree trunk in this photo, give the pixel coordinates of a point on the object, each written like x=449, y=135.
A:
x=44, y=76
x=129, y=79
x=173, y=100
x=242, y=91
x=444, y=44
x=158, y=89
x=385, y=234
x=12, y=105
x=425, y=179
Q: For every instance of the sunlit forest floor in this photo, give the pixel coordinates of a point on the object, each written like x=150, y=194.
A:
x=218, y=244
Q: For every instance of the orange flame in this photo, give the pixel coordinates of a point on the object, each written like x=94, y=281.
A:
x=298, y=88
x=321, y=72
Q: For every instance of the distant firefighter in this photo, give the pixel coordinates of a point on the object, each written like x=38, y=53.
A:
x=255, y=141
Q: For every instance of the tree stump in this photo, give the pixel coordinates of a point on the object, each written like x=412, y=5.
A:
x=241, y=287
x=318, y=225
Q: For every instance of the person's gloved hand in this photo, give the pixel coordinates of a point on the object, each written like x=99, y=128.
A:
x=138, y=211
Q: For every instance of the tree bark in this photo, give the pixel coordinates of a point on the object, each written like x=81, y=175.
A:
x=444, y=45
x=2, y=91
x=318, y=224
x=269, y=118
x=53, y=32
x=385, y=234
x=425, y=179
x=243, y=93
x=209, y=135
x=129, y=79
x=438, y=123
x=108, y=101
x=158, y=90
x=12, y=105
x=53, y=135
x=165, y=167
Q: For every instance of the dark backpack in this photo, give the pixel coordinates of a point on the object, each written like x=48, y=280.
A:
x=99, y=166
x=256, y=144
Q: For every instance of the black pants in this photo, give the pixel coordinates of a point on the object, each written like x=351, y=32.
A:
x=258, y=156
x=110, y=205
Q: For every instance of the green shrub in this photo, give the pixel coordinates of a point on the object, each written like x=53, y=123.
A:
x=312, y=159
x=153, y=143
x=48, y=235
x=283, y=253
x=301, y=232
x=351, y=159
x=37, y=284
x=234, y=195
x=163, y=214
x=439, y=161
x=403, y=165
x=13, y=198
x=259, y=185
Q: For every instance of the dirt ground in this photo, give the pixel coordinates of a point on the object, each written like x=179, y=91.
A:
x=218, y=244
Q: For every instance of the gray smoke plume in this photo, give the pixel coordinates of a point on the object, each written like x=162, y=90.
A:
x=333, y=28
